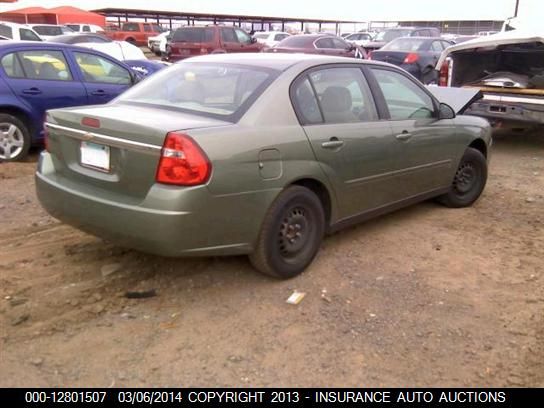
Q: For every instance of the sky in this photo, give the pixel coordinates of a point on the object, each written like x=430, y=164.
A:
x=355, y=10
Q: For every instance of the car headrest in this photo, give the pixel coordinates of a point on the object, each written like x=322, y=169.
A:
x=336, y=99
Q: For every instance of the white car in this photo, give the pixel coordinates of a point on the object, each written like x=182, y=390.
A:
x=360, y=39
x=120, y=50
x=18, y=32
x=85, y=28
x=270, y=38
x=157, y=43
x=48, y=31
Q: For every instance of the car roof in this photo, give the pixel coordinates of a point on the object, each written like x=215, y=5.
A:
x=278, y=61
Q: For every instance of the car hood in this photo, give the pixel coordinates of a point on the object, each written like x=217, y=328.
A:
x=493, y=41
x=458, y=98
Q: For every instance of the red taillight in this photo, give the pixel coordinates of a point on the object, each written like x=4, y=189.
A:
x=444, y=73
x=90, y=122
x=411, y=58
x=182, y=162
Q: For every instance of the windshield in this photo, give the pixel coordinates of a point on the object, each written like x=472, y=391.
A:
x=223, y=91
x=390, y=35
x=403, y=44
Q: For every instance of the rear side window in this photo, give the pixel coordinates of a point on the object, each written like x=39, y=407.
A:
x=344, y=95
x=74, y=27
x=86, y=29
x=147, y=28
x=12, y=66
x=306, y=103
x=193, y=35
x=280, y=37
x=49, y=65
x=437, y=46
x=6, y=31
x=324, y=43
x=28, y=35
x=98, y=69
x=48, y=30
x=130, y=27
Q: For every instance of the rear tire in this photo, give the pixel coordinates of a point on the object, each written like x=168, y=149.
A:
x=14, y=138
x=469, y=180
x=291, y=234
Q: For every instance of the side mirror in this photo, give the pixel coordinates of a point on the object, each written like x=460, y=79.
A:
x=446, y=112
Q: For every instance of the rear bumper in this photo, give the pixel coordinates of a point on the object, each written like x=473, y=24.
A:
x=207, y=225
x=500, y=109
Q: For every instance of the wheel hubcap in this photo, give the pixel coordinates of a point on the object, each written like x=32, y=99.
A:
x=465, y=178
x=293, y=233
x=11, y=141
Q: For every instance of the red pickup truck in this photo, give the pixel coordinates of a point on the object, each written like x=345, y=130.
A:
x=135, y=33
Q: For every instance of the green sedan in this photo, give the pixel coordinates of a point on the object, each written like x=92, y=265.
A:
x=258, y=154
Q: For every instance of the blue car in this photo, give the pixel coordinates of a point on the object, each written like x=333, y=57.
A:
x=35, y=77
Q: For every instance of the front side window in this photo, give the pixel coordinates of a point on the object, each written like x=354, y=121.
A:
x=227, y=35
x=437, y=46
x=216, y=90
x=339, y=44
x=147, y=28
x=280, y=37
x=242, y=36
x=98, y=69
x=49, y=65
x=28, y=35
x=344, y=95
x=404, y=98
x=324, y=43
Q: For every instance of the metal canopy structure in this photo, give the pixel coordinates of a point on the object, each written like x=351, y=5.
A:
x=190, y=18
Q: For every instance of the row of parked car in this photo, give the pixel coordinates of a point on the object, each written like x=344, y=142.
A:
x=41, y=70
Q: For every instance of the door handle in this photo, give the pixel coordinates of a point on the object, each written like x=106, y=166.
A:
x=333, y=143
x=405, y=135
x=100, y=92
x=32, y=91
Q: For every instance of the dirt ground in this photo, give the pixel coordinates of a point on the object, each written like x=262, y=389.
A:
x=427, y=296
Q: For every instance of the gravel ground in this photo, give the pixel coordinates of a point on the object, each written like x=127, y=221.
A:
x=427, y=296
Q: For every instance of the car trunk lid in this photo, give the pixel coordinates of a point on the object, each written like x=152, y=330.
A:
x=115, y=148
x=392, y=57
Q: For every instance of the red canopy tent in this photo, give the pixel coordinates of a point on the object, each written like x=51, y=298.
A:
x=56, y=15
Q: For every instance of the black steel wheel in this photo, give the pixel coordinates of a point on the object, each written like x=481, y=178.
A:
x=291, y=234
x=469, y=180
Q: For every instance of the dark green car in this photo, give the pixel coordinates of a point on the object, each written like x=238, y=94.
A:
x=258, y=154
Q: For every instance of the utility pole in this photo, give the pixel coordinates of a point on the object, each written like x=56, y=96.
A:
x=517, y=6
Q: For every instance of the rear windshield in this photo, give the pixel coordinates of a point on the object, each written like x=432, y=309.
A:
x=403, y=44
x=222, y=91
x=193, y=34
x=295, y=42
x=390, y=35
x=48, y=30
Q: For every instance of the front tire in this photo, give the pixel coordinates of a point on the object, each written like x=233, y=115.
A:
x=469, y=180
x=14, y=138
x=291, y=234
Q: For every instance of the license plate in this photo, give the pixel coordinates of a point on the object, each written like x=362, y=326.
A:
x=96, y=156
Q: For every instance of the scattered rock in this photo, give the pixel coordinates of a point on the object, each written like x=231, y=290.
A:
x=20, y=319
x=529, y=200
x=98, y=309
x=141, y=294
x=128, y=315
x=107, y=270
x=18, y=301
x=235, y=359
x=379, y=278
x=37, y=361
x=74, y=302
